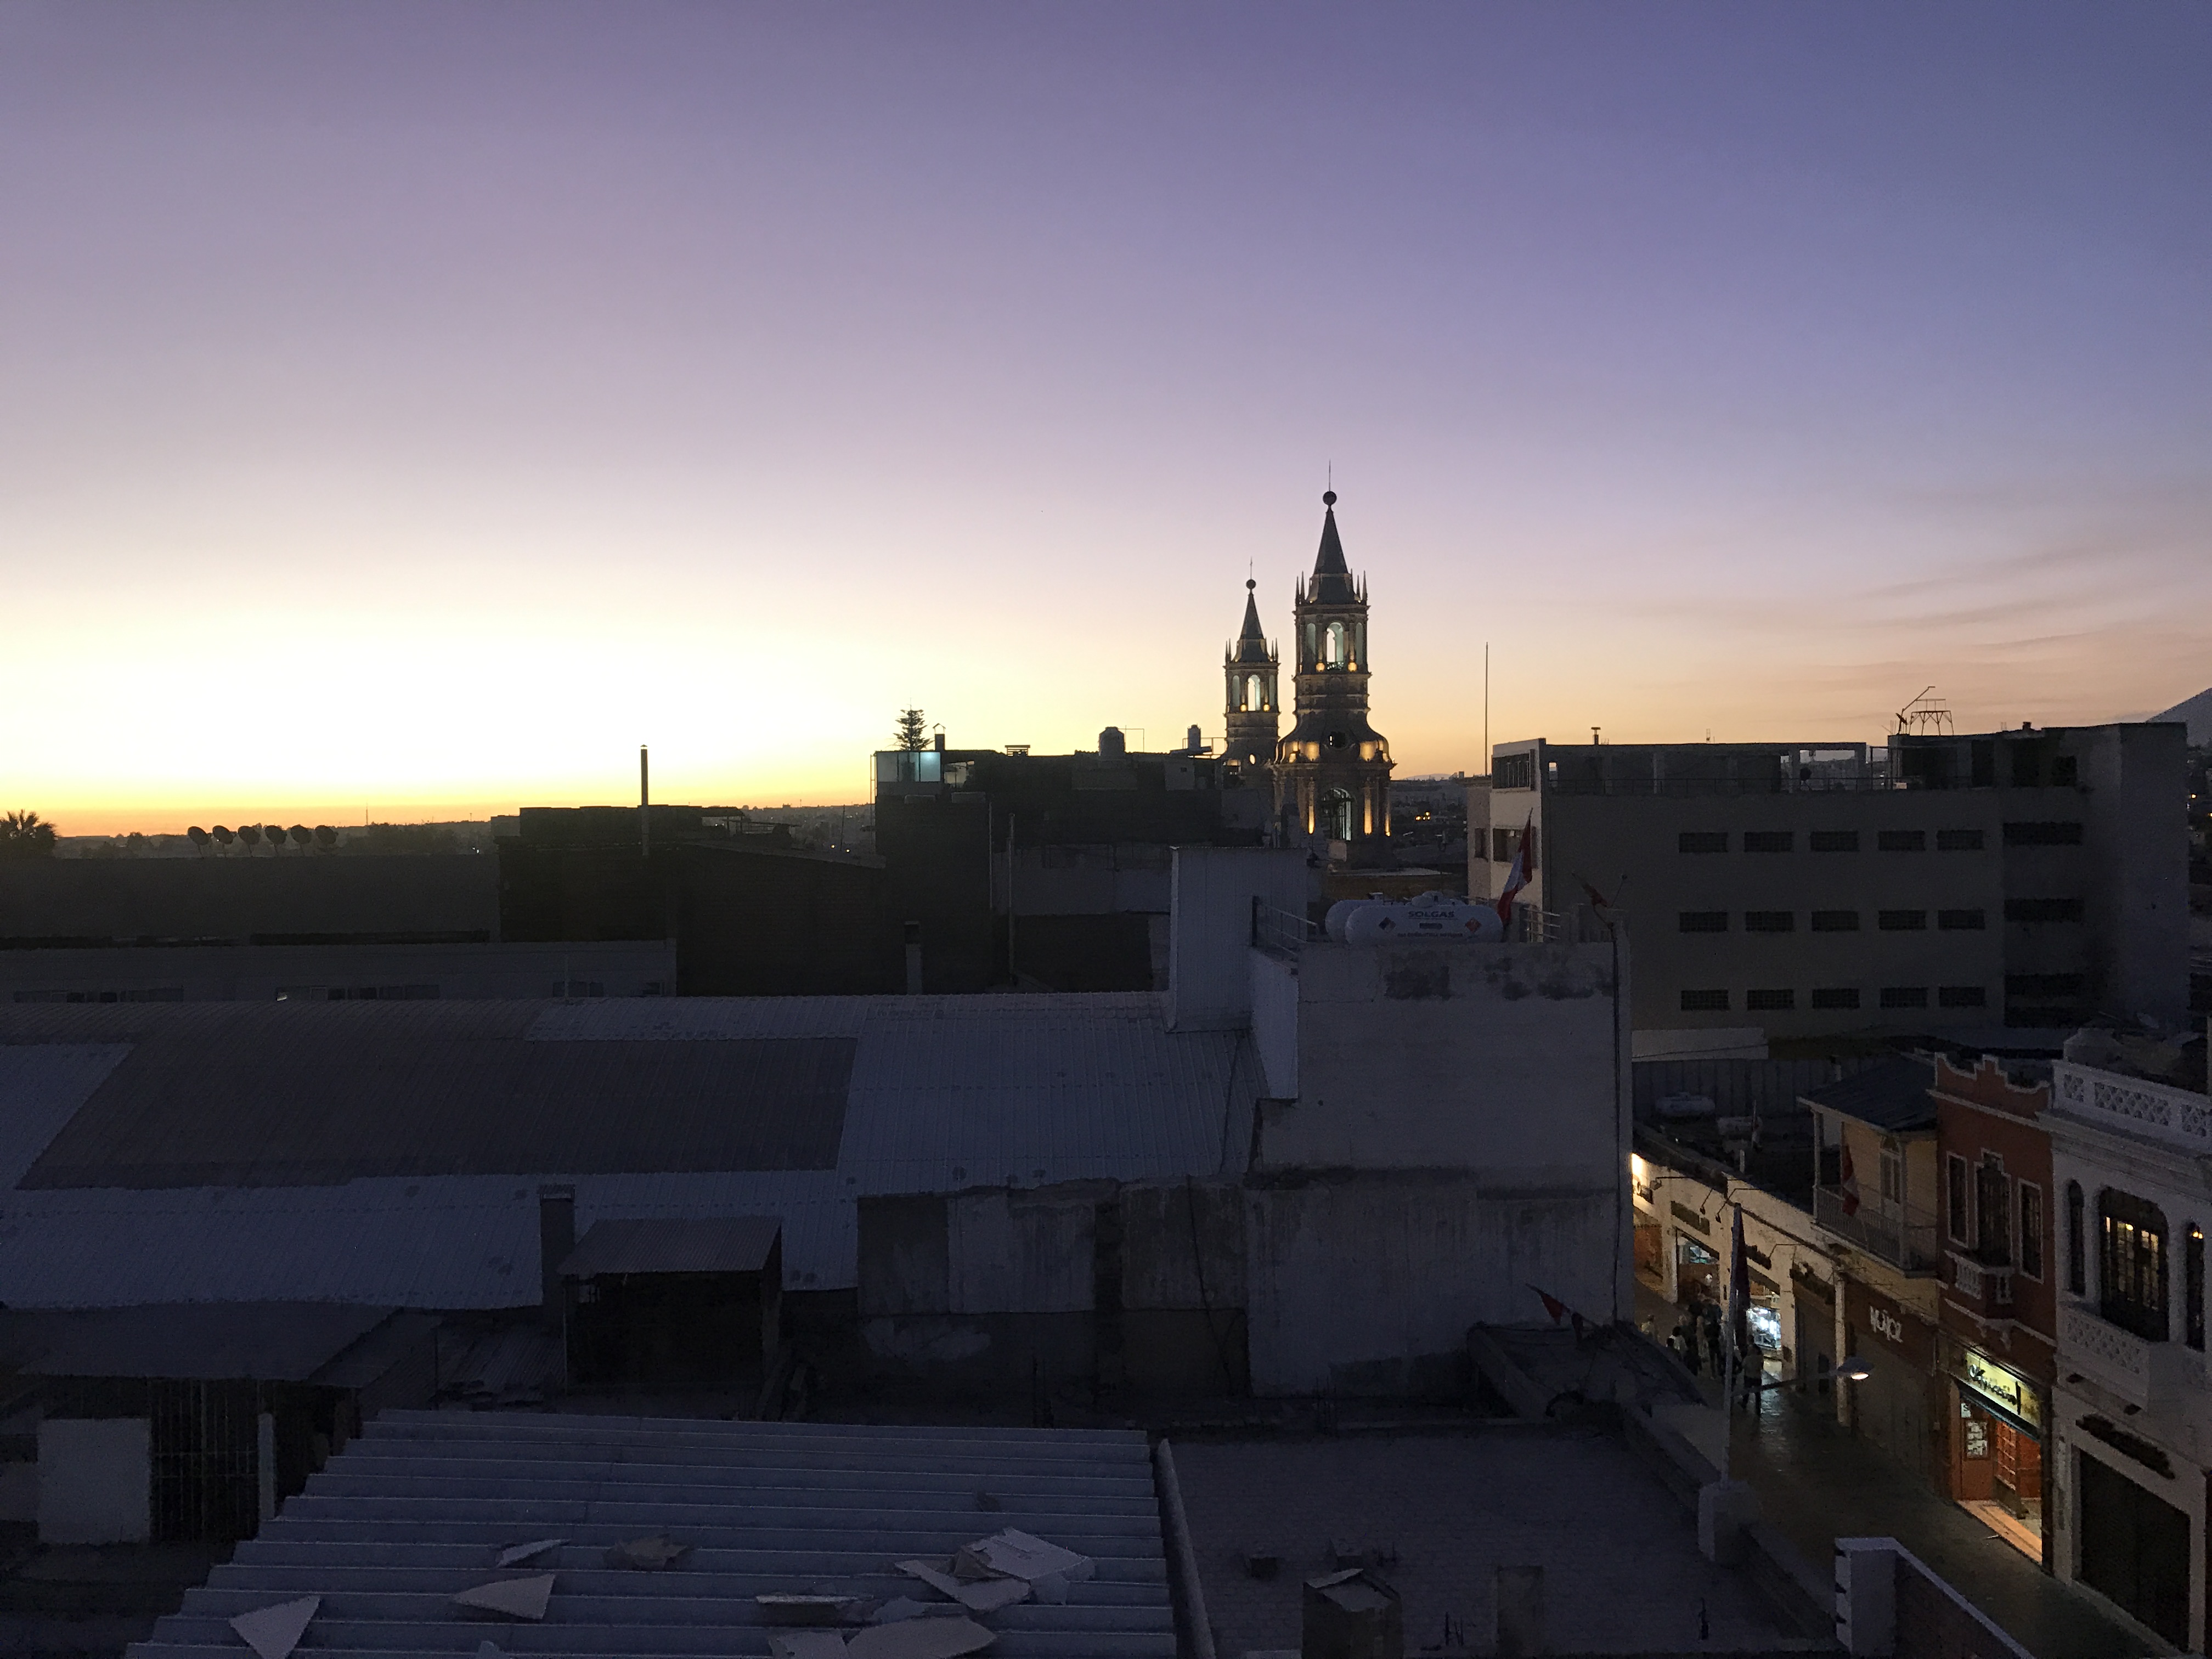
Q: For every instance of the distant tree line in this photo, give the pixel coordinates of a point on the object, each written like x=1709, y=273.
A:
x=26, y=836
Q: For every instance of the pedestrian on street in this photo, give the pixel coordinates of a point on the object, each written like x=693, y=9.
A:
x=1689, y=1329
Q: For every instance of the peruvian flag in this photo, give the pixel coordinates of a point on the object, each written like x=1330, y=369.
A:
x=1517, y=877
x=1850, y=1183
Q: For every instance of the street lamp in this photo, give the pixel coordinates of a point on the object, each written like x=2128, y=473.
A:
x=1851, y=1370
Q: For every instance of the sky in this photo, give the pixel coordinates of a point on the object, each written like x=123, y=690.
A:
x=408, y=410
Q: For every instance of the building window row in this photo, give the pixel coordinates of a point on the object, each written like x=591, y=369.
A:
x=1832, y=922
x=2043, y=909
x=1999, y=1218
x=1844, y=841
x=1830, y=998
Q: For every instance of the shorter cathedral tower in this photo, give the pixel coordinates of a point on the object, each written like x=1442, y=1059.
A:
x=1249, y=666
x=1333, y=771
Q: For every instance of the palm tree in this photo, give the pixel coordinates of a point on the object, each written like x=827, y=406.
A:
x=26, y=836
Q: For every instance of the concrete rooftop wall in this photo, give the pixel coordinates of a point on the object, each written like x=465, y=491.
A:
x=1509, y=1059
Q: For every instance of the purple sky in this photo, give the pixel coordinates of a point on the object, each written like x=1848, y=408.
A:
x=411, y=410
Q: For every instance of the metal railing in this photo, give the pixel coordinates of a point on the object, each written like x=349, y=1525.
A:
x=1274, y=929
x=1902, y=1235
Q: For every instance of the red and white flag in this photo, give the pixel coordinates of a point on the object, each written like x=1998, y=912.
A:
x=1517, y=877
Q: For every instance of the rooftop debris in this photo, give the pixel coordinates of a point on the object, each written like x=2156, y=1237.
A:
x=517, y=1598
x=518, y=1553
x=980, y=1595
x=273, y=1631
x=649, y=1554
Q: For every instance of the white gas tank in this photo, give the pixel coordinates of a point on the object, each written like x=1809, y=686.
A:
x=1431, y=916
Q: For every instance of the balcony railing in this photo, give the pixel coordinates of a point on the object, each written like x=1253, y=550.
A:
x=1902, y=1235
x=1982, y=1286
x=2156, y=1111
x=2118, y=1359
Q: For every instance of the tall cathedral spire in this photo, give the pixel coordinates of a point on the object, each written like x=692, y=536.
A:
x=1333, y=771
x=1249, y=666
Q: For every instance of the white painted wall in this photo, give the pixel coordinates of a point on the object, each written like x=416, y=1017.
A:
x=95, y=1480
x=1353, y=1277
x=1275, y=1020
x=1511, y=1059
x=1209, y=987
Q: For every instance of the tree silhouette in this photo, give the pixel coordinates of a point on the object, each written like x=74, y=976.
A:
x=26, y=836
x=912, y=731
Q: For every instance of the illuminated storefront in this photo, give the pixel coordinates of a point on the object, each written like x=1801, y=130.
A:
x=1996, y=1433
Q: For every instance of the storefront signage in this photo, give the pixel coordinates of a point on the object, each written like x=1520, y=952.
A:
x=2004, y=1387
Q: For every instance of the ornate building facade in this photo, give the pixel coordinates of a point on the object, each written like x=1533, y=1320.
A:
x=1331, y=773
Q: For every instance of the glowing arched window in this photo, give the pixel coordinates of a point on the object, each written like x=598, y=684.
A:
x=1252, y=699
x=1334, y=646
x=1336, y=815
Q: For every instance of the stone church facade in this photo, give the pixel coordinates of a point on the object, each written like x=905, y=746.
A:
x=1330, y=774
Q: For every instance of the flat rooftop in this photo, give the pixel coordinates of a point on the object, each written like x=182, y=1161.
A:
x=1622, y=1573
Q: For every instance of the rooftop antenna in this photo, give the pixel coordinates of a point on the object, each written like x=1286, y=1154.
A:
x=644, y=804
x=1926, y=715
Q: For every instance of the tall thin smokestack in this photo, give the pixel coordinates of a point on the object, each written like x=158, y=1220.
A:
x=644, y=804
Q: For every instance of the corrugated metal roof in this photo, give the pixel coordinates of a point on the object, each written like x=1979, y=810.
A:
x=41, y=1086
x=945, y=1093
x=720, y=1245
x=419, y=1507
x=1892, y=1096
x=246, y=1094
x=260, y=1341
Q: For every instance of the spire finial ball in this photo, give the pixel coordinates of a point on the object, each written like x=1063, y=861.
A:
x=1329, y=498
x=1249, y=584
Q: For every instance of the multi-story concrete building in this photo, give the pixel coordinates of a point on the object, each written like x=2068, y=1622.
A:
x=2131, y=1407
x=1809, y=889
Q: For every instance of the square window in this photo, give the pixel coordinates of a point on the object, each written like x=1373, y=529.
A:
x=1901, y=921
x=1836, y=996
x=1704, y=1002
x=2064, y=771
x=1958, y=841
x=1905, y=996
x=1956, y=1191
x=1702, y=921
x=1769, y=921
x=1902, y=841
x=1769, y=1001
x=1835, y=841
x=1963, y=996
x=1835, y=922
x=1769, y=841
x=1954, y=921
x=1702, y=841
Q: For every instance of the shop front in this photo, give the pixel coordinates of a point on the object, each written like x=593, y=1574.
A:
x=1892, y=1406
x=1996, y=1451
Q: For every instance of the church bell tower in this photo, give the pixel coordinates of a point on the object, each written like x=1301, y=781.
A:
x=1254, y=715
x=1333, y=770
